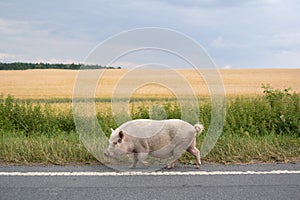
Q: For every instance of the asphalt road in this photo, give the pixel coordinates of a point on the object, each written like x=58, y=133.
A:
x=24, y=185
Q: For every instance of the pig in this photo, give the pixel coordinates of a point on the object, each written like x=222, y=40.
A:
x=157, y=138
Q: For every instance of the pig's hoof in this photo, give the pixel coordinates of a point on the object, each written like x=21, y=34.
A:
x=170, y=166
x=198, y=167
x=145, y=163
x=132, y=167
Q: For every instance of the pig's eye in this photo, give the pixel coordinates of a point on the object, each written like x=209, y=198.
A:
x=115, y=143
x=120, y=140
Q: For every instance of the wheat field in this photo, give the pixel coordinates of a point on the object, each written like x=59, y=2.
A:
x=53, y=84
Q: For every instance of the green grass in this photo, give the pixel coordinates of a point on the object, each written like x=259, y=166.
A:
x=267, y=148
x=256, y=129
x=66, y=148
x=61, y=148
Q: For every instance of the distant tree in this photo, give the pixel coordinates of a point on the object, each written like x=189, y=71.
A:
x=73, y=66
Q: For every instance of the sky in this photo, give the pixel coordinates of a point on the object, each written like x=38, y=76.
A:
x=235, y=34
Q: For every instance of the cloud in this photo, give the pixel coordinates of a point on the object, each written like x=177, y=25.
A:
x=222, y=4
x=242, y=33
x=227, y=67
x=7, y=57
x=285, y=40
x=8, y=26
x=284, y=59
x=124, y=64
x=219, y=43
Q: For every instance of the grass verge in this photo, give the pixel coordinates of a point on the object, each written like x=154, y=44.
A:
x=255, y=149
x=66, y=148
x=59, y=149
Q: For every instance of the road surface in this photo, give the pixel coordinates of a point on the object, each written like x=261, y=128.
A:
x=263, y=181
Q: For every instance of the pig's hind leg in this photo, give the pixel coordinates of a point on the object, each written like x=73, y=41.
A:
x=195, y=152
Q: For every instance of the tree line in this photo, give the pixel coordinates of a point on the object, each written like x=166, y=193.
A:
x=73, y=66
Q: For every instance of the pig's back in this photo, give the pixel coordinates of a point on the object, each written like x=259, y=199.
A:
x=145, y=128
x=181, y=128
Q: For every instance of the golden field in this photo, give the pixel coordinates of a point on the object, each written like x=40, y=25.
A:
x=48, y=84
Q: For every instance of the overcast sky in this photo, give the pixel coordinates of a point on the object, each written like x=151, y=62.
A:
x=236, y=34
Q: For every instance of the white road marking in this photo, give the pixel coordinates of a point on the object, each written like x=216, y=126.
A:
x=197, y=173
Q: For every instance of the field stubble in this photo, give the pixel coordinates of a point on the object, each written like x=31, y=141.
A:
x=58, y=84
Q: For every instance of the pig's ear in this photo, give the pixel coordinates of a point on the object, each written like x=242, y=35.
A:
x=112, y=130
x=121, y=134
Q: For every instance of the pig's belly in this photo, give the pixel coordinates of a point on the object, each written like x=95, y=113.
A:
x=164, y=152
x=161, y=154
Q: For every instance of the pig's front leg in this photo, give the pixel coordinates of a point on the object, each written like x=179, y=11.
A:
x=173, y=161
x=171, y=164
x=135, y=160
x=177, y=152
x=139, y=157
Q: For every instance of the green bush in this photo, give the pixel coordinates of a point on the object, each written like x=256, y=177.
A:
x=276, y=112
x=24, y=116
x=285, y=110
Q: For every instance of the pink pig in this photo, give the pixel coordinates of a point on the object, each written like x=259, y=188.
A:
x=157, y=138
